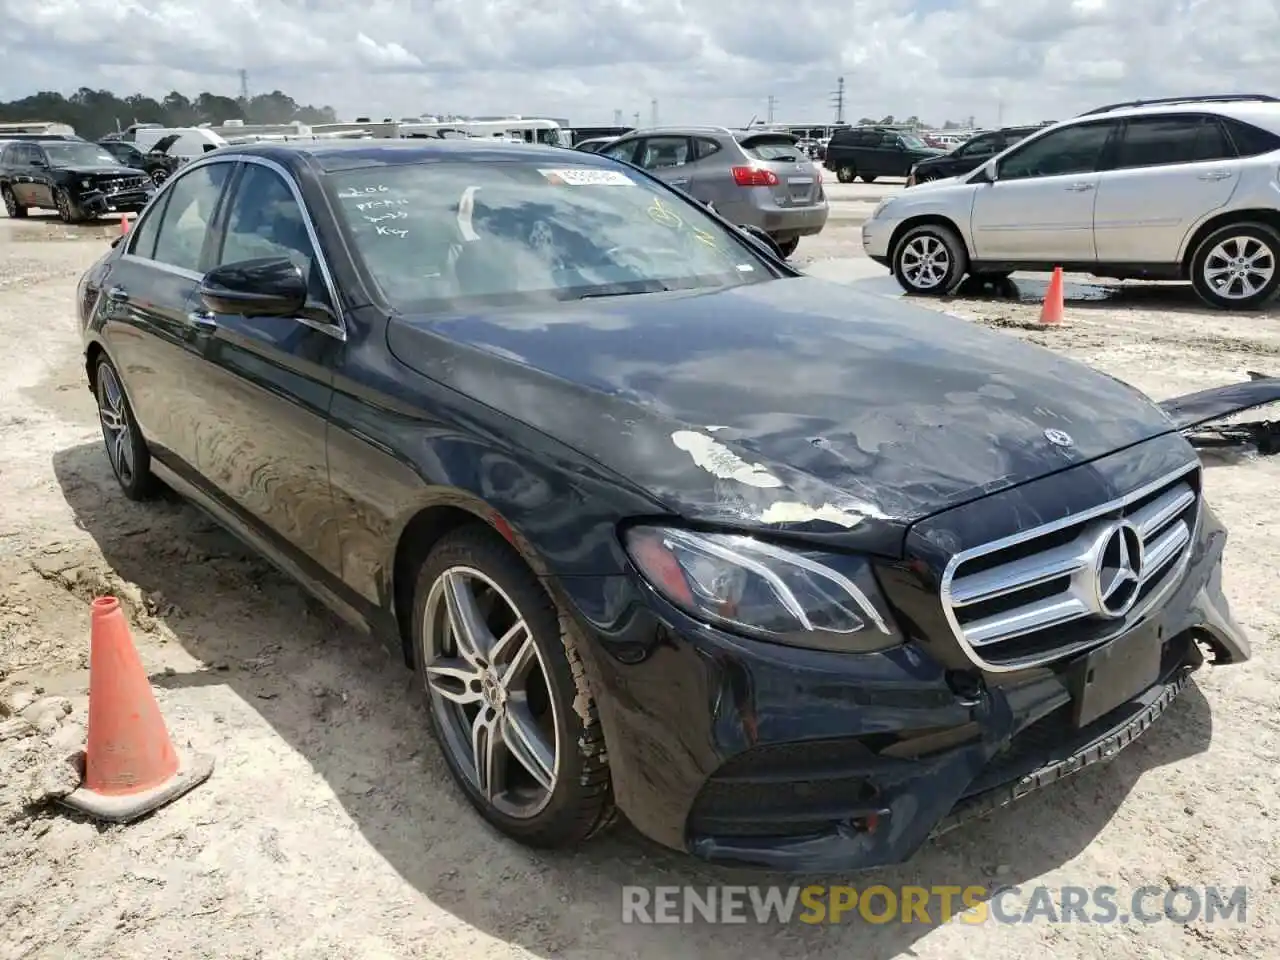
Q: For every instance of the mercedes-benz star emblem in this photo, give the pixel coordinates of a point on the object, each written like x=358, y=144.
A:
x=1118, y=570
x=1058, y=438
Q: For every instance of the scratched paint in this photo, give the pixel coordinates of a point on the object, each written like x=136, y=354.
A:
x=719, y=461
x=786, y=511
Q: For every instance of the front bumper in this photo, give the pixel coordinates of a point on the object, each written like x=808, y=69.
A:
x=784, y=223
x=97, y=203
x=876, y=236
x=749, y=754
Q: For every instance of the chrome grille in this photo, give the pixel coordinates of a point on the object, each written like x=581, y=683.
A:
x=1060, y=588
x=119, y=184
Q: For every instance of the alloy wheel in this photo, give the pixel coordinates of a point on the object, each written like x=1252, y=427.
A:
x=64, y=206
x=1239, y=267
x=10, y=203
x=114, y=415
x=488, y=688
x=159, y=176
x=925, y=262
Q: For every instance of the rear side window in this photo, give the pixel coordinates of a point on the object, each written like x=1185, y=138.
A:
x=705, y=147
x=772, y=148
x=1160, y=141
x=1250, y=141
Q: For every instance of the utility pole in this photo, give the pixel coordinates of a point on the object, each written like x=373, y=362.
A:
x=637, y=118
x=772, y=100
x=837, y=99
x=617, y=118
x=999, y=114
x=244, y=85
x=653, y=113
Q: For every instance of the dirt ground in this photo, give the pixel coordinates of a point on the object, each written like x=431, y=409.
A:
x=330, y=828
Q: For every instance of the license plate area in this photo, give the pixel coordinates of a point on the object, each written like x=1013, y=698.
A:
x=1116, y=673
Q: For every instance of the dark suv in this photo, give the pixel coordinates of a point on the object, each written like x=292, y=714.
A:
x=871, y=152
x=77, y=178
x=969, y=155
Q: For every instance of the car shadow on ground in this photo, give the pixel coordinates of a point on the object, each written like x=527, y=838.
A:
x=355, y=714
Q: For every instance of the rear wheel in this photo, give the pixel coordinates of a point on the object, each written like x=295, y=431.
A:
x=159, y=175
x=788, y=247
x=1236, y=267
x=15, y=210
x=507, y=696
x=930, y=260
x=846, y=174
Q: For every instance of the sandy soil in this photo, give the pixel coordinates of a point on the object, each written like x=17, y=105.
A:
x=330, y=828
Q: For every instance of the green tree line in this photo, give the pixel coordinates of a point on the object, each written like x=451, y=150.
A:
x=94, y=113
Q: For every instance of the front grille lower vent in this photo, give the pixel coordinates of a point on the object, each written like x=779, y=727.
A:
x=1062, y=587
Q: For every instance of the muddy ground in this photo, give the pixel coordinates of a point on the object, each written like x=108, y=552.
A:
x=330, y=828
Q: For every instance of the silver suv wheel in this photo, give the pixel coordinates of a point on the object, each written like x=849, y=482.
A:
x=1236, y=268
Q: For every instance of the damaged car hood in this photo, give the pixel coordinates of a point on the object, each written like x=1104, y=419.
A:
x=786, y=402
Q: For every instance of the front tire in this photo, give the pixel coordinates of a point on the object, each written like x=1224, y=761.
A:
x=930, y=260
x=846, y=174
x=506, y=693
x=1237, y=267
x=126, y=450
x=67, y=211
x=788, y=247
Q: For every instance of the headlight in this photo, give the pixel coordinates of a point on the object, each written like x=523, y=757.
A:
x=86, y=184
x=817, y=601
x=881, y=207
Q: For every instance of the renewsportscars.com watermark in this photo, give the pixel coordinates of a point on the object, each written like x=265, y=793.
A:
x=934, y=905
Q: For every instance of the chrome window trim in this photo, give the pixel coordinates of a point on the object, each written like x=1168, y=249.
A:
x=339, y=330
x=1132, y=619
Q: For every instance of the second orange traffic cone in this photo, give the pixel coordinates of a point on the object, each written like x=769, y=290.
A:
x=1051, y=312
x=130, y=764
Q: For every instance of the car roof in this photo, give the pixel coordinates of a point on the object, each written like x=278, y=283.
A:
x=334, y=155
x=1261, y=112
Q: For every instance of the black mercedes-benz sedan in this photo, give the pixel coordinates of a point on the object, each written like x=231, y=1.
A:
x=789, y=574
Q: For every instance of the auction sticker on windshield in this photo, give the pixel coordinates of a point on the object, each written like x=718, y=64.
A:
x=586, y=177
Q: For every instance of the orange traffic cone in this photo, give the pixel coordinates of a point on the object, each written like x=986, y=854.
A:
x=1051, y=312
x=124, y=223
x=130, y=766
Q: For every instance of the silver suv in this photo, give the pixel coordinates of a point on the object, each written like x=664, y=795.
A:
x=1178, y=189
x=757, y=179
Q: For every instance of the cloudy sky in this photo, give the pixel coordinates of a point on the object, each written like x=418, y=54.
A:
x=701, y=60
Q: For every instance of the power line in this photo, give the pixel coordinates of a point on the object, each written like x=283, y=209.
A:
x=837, y=99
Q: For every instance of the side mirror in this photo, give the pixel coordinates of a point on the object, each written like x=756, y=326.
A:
x=762, y=240
x=986, y=173
x=263, y=287
x=40, y=163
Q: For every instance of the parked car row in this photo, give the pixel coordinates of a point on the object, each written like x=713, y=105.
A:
x=1174, y=189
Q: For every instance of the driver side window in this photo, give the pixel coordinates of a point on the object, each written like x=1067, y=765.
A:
x=1072, y=150
x=620, y=151
x=183, y=224
x=979, y=147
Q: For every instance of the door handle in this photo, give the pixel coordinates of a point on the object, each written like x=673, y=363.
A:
x=1216, y=175
x=118, y=295
x=1080, y=187
x=203, y=320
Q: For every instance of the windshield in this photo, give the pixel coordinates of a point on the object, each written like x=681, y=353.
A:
x=445, y=236
x=911, y=142
x=79, y=155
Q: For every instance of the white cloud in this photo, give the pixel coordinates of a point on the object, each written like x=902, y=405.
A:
x=703, y=61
